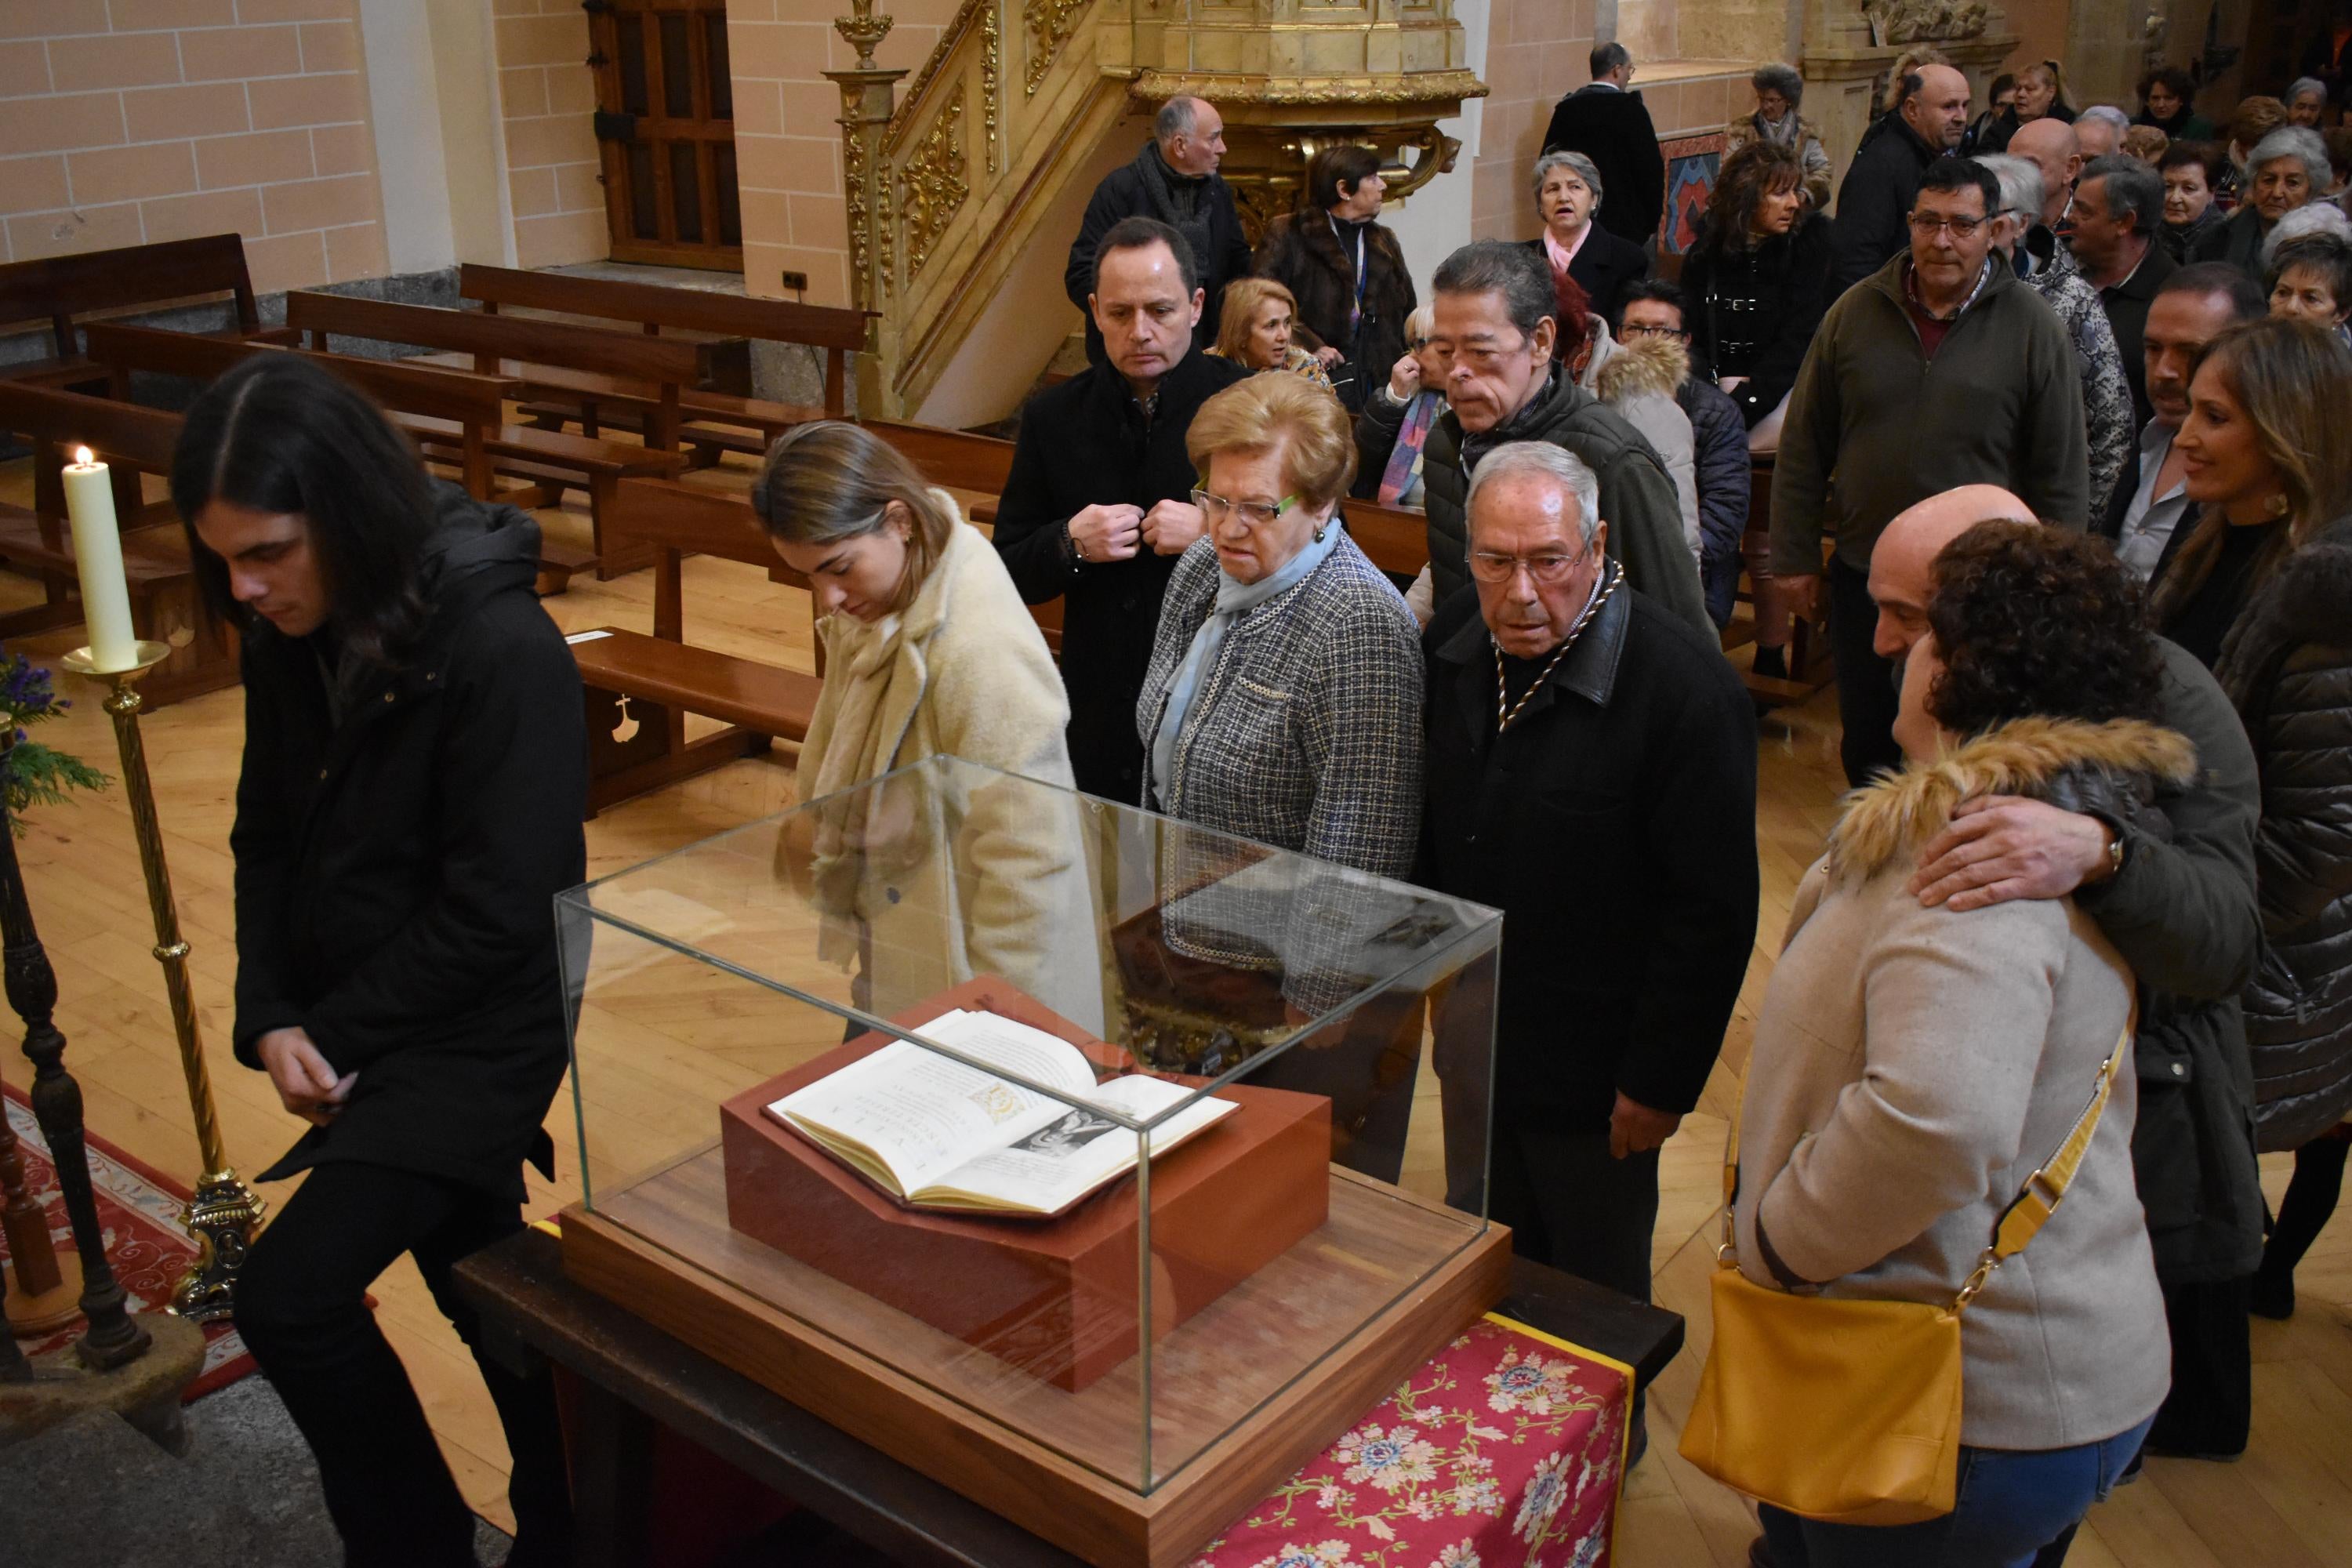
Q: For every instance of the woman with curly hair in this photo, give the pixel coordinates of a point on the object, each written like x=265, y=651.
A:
x=1779, y=90
x=1913, y=1067
x=1758, y=278
x=2261, y=588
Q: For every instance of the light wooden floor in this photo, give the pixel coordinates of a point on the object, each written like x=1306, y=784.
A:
x=2287, y=1505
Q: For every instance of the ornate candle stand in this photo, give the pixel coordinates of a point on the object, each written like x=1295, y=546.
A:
x=224, y=1213
x=114, y=1338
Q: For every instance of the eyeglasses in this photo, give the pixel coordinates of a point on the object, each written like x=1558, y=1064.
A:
x=1925, y=225
x=1644, y=329
x=1253, y=513
x=1544, y=569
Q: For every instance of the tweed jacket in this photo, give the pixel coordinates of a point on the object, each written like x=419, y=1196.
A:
x=1307, y=735
x=2107, y=420
x=1913, y=1067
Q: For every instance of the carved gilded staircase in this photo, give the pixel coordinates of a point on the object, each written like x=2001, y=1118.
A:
x=965, y=189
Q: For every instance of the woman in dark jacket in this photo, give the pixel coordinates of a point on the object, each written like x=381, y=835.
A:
x=1757, y=280
x=2262, y=587
x=2165, y=96
x=413, y=779
x=1587, y=262
x=1345, y=268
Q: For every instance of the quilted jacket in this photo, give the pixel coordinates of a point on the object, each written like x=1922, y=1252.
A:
x=2287, y=665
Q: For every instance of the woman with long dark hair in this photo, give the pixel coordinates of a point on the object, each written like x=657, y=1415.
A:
x=413, y=779
x=2261, y=588
x=1344, y=267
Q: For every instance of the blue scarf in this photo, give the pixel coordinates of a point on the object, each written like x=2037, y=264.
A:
x=1233, y=599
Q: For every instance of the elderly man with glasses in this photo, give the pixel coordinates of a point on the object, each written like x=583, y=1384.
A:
x=1940, y=369
x=1591, y=771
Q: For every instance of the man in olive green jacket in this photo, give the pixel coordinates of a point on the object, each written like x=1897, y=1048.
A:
x=1939, y=370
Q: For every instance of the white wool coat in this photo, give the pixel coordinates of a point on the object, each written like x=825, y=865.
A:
x=923, y=885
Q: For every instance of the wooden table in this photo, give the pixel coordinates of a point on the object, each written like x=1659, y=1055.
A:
x=633, y=1378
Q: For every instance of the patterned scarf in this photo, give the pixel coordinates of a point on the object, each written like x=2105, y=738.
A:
x=1404, y=458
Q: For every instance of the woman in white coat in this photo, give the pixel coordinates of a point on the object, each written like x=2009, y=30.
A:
x=929, y=651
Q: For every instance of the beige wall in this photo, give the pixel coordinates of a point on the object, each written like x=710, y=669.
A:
x=546, y=95
x=787, y=147
x=151, y=119
x=1536, y=51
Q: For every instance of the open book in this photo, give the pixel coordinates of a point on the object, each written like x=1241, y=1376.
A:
x=936, y=1133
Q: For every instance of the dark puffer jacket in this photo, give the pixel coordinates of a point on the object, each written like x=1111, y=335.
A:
x=2287, y=665
x=1637, y=499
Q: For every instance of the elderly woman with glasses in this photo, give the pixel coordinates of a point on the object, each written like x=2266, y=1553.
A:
x=1578, y=250
x=1283, y=701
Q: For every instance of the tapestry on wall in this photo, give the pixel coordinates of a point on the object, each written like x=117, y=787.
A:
x=1691, y=166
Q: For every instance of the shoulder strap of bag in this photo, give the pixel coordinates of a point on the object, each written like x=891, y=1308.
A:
x=2026, y=1213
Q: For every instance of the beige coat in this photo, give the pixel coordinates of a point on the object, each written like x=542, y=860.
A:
x=941, y=876
x=1912, y=1067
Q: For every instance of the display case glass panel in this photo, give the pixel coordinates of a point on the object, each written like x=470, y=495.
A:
x=861, y=1061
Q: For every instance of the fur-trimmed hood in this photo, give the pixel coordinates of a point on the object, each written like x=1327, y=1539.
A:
x=1899, y=813
x=2307, y=601
x=1645, y=365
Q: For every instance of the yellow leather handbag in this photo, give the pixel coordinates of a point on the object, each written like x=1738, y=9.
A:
x=1848, y=1411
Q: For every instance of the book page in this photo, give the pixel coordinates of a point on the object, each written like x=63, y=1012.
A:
x=919, y=1112
x=1063, y=1160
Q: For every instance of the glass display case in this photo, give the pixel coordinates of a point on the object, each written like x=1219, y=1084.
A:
x=1093, y=1130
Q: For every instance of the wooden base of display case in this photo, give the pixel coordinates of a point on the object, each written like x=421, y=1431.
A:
x=1227, y=1405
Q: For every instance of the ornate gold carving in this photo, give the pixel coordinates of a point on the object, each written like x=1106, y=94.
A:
x=934, y=186
x=1423, y=86
x=863, y=31
x=861, y=216
x=949, y=36
x=1050, y=23
x=991, y=76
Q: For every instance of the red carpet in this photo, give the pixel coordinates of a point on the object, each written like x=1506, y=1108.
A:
x=139, y=1209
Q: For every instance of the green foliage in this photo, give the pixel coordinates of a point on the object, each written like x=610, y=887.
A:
x=31, y=773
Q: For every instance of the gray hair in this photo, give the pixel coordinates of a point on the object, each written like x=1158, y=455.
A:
x=2132, y=187
x=2106, y=114
x=2294, y=142
x=1557, y=464
x=1177, y=117
x=2020, y=180
x=1785, y=80
x=1501, y=267
x=2302, y=85
x=1583, y=167
x=2316, y=218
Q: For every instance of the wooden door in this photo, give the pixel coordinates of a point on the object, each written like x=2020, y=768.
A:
x=665, y=125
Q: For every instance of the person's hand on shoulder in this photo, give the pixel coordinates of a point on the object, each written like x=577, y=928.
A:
x=2002, y=846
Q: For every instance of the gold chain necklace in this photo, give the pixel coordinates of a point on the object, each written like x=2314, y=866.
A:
x=1504, y=716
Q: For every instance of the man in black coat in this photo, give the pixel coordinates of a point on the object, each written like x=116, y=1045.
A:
x=1592, y=772
x=2181, y=910
x=1873, y=205
x=1099, y=504
x=2118, y=205
x=413, y=778
x=1173, y=179
x=1610, y=124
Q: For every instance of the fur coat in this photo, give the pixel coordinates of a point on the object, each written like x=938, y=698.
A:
x=1913, y=1067
x=2287, y=665
x=1640, y=380
x=1301, y=253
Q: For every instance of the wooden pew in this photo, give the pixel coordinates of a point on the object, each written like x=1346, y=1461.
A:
x=60, y=290
x=1392, y=539
x=164, y=603
x=433, y=405
x=716, y=421
x=1811, y=667
x=640, y=689
x=549, y=460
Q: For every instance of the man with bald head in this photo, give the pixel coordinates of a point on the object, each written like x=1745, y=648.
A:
x=2181, y=911
x=1172, y=180
x=2050, y=145
x=1873, y=205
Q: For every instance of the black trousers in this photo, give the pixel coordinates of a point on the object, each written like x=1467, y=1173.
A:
x=2211, y=1408
x=301, y=1307
x=1570, y=1205
x=1867, y=693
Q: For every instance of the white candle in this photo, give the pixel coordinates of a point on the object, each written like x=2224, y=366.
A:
x=97, y=557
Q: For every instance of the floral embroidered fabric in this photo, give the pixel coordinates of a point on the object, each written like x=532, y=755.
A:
x=1505, y=1449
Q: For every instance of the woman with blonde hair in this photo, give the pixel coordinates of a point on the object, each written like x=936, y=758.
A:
x=929, y=651
x=2261, y=588
x=1257, y=326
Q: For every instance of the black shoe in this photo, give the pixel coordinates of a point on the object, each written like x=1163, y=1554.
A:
x=2162, y=1449
x=1759, y=1553
x=1772, y=662
x=2272, y=1297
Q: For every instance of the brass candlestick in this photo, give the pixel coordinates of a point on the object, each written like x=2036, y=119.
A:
x=224, y=1213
